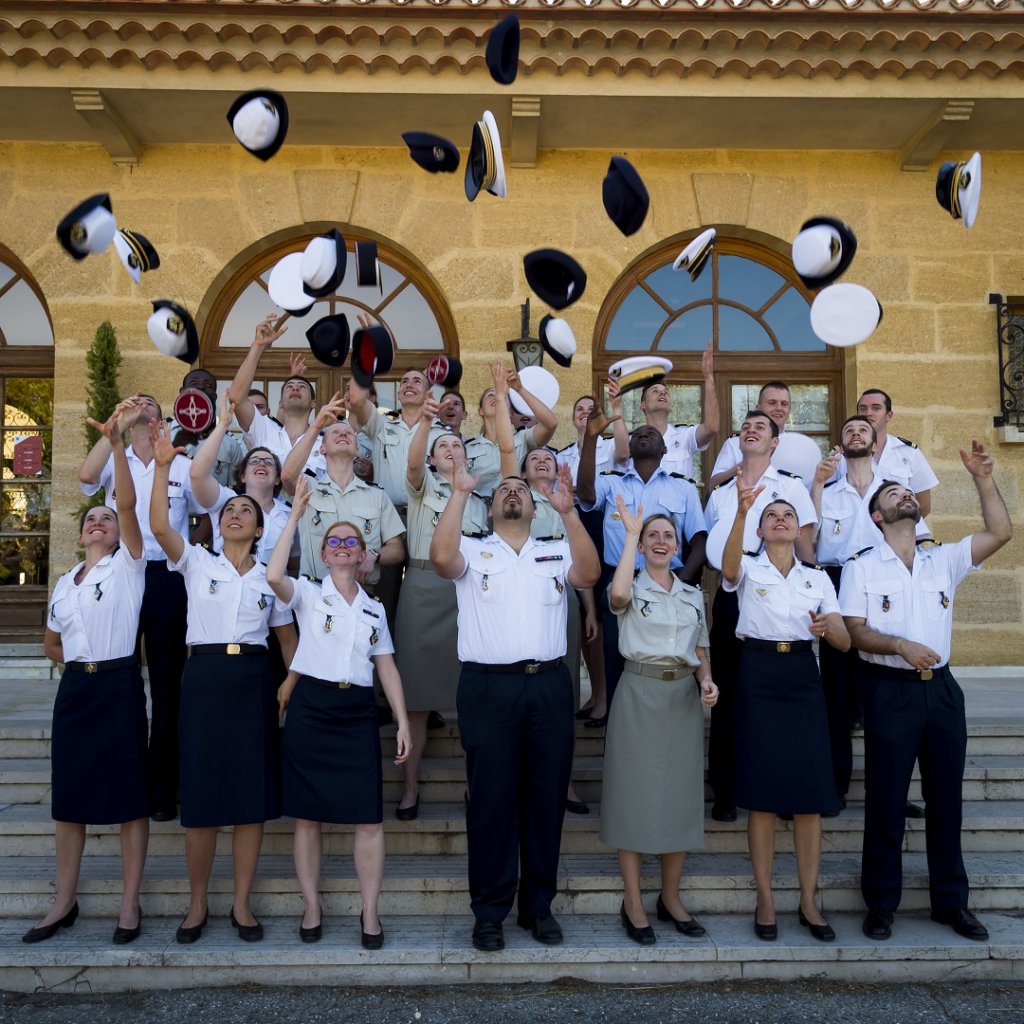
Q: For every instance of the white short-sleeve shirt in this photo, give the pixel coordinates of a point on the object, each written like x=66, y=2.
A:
x=570, y=456
x=274, y=522
x=795, y=453
x=266, y=432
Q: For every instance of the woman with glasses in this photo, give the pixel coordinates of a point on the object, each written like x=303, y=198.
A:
x=228, y=721
x=330, y=752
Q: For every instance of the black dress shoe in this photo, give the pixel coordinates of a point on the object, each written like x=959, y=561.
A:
x=49, y=930
x=488, y=936
x=644, y=936
x=723, y=811
x=914, y=810
x=877, y=923
x=186, y=936
x=963, y=922
x=577, y=806
x=546, y=930
x=584, y=713
x=596, y=723
x=435, y=720
x=165, y=814
x=691, y=928
x=371, y=941
x=822, y=932
x=408, y=813
x=246, y=932
x=857, y=725
x=315, y=933
x=766, y=932
x=122, y=936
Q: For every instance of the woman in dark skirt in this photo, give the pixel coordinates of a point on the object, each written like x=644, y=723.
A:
x=783, y=760
x=330, y=752
x=228, y=719
x=98, y=744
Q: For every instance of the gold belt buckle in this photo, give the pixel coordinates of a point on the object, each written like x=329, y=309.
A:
x=782, y=648
x=532, y=668
x=344, y=686
x=926, y=674
x=233, y=649
x=668, y=673
x=91, y=666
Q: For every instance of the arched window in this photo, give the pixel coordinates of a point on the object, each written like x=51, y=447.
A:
x=408, y=302
x=26, y=430
x=749, y=302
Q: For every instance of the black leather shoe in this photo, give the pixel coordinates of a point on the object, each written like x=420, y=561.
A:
x=857, y=725
x=577, y=806
x=691, y=928
x=766, y=932
x=643, y=936
x=583, y=714
x=546, y=930
x=186, y=936
x=963, y=922
x=122, y=936
x=723, y=812
x=371, y=941
x=165, y=814
x=435, y=720
x=49, y=930
x=246, y=932
x=822, y=932
x=408, y=813
x=596, y=723
x=488, y=936
x=877, y=924
x=315, y=933
x=914, y=810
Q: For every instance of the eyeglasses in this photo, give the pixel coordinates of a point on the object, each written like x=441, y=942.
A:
x=342, y=542
x=260, y=460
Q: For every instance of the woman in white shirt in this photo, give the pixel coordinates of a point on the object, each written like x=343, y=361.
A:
x=783, y=759
x=228, y=720
x=98, y=746
x=330, y=751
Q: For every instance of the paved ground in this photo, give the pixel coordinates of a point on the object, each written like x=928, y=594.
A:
x=751, y=1003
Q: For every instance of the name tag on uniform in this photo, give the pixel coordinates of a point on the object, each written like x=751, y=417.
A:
x=373, y=615
x=549, y=558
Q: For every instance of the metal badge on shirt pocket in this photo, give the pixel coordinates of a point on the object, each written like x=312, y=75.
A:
x=368, y=527
x=213, y=586
x=262, y=603
x=328, y=623
x=97, y=592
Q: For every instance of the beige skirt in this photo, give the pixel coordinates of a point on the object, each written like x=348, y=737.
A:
x=652, y=797
x=426, y=650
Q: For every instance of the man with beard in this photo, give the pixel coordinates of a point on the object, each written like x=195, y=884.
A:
x=898, y=603
x=515, y=696
x=162, y=620
x=758, y=439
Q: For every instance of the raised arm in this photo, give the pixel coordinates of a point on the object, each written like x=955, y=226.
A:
x=712, y=416
x=267, y=332
x=448, y=560
x=732, y=556
x=547, y=421
x=620, y=591
x=503, y=421
x=164, y=454
x=277, y=566
x=92, y=468
x=619, y=431
x=415, y=466
x=825, y=471
x=586, y=475
x=998, y=528
x=124, y=485
x=205, y=487
x=297, y=458
x=586, y=566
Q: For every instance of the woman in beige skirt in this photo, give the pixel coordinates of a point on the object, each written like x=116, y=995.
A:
x=653, y=791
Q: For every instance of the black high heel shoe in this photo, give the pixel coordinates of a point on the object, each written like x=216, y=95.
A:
x=643, y=936
x=186, y=936
x=584, y=713
x=122, y=936
x=691, y=928
x=49, y=930
x=315, y=933
x=765, y=932
x=371, y=941
x=822, y=932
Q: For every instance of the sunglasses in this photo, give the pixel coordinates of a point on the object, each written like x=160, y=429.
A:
x=342, y=542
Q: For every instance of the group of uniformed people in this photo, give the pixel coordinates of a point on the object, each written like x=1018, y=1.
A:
x=467, y=551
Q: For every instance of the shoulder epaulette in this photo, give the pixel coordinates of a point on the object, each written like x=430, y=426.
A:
x=566, y=448
x=274, y=419
x=809, y=565
x=376, y=598
x=678, y=425
x=856, y=555
x=786, y=472
x=475, y=536
x=905, y=441
x=724, y=483
x=929, y=542
x=308, y=472
x=831, y=482
x=312, y=579
x=392, y=414
x=683, y=476
x=612, y=472
x=552, y=537
x=753, y=554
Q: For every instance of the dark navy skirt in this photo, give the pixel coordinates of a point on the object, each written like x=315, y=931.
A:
x=783, y=757
x=330, y=755
x=98, y=748
x=229, y=741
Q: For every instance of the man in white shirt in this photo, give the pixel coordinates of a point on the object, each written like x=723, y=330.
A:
x=796, y=453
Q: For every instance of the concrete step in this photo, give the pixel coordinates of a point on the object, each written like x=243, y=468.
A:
x=27, y=668
x=443, y=780
x=437, y=950
x=716, y=883
x=27, y=830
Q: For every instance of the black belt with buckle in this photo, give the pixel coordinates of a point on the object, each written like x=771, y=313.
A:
x=923, y=674
x=530, y=668
x=228, y=649
x=330, y=684
x=779, y=646
x=101, y=666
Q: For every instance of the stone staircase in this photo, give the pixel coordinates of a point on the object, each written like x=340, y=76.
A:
x=425, y=903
